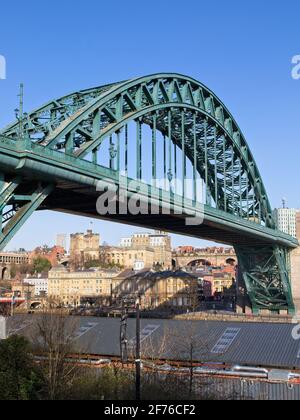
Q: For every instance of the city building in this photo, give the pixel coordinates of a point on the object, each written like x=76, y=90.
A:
x=53, y=255
x=160, y=242
x=220, y=282
x=126, y=242
x=130, y=257
x=14, y=258
x=164, y=289
x=40, y=284
x=21, y=289
x=61, y=240
x=108, y=287
x=84, y=247
x=8, y=260
x=185, y=250
x=207, y=286
x=139, y=265
x=211, y=256
x=216, y=280
x=70, y=287
x=288, y=220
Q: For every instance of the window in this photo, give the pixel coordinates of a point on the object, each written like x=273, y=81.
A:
x=226, y=340
x=145, y=333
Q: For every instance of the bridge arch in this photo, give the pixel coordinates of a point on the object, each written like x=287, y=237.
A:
x=182, y=109
x=4, y=271
x=199, y=262
x=231, y=261
x=192, y=121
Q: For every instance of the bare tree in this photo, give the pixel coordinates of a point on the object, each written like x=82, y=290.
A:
x=54, y=338
x=194, y=295
x=189, y=345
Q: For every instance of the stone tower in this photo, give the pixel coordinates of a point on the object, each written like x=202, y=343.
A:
x=84, y=247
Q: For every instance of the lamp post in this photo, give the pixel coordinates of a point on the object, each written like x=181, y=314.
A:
x=138, y=352
x=12, y=305
x=123, y=334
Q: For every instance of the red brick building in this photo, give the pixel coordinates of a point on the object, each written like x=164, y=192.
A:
x=53, y=255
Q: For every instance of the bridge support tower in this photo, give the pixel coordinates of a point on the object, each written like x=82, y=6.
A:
x=295, y=277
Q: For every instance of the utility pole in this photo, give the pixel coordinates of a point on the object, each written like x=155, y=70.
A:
x=12, y=305
x=138, y=352
x=123, y=334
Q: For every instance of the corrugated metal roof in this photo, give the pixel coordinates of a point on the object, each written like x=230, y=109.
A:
x=250, y=389
x=255, y=344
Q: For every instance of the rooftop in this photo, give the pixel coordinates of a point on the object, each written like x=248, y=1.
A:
x=248, y=344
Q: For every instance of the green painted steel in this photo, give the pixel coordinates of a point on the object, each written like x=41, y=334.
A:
x=266, y=278
x=65, y=140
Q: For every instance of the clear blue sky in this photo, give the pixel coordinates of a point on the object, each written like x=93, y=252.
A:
x=241, y=50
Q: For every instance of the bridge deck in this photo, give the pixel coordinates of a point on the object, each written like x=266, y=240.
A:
x=75, y=192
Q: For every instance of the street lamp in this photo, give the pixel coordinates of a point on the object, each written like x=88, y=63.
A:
x=138, y=351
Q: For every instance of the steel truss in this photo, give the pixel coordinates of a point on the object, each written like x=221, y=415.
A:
x=266, y=278
x=195, y=123
x=19, y=200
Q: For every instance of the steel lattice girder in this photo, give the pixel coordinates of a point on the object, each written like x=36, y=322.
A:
x=266, y=278
x=78, y=123
x=18, y=201
x=195, y=120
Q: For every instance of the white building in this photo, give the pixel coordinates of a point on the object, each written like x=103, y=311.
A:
x=61, y=240
x=139, y=265
x=126, y=243
x=153, y=240
x=286, y=220
x=40, y=285
x=158, y=240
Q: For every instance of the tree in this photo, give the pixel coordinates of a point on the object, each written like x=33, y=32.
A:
x=46, y=248
x=55, y=333
x=25, y=269
x=189, y=345
x=13, y=270
x=194, y=294
x=41, y=265
x=20, y=378
x=100, y=264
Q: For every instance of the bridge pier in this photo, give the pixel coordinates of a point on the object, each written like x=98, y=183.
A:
x=264, y=281
x=243, y=304
x=295, y=277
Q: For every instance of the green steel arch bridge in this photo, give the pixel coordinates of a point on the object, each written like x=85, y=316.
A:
x=163, y=126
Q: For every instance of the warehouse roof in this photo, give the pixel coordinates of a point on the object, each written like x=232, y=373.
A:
x=252, y=344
